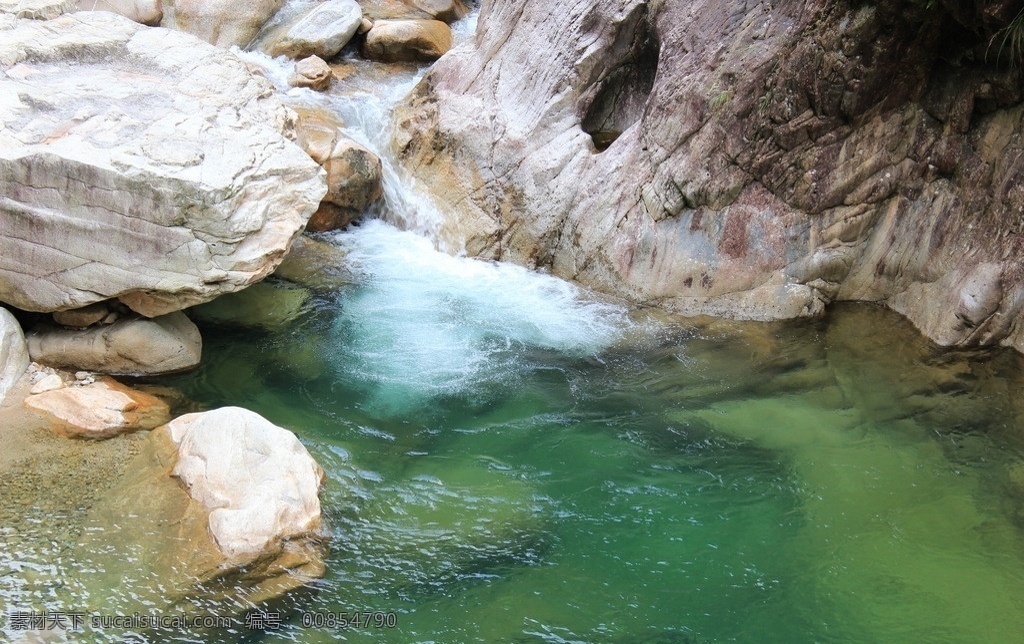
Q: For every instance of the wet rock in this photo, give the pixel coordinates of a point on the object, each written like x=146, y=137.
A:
x=269, y=305
x=82, y=317
x=98, y=410
x=219, y=22
x=318, y=131
x=393, y=41
x=135, y=346
x=14, y=357
x=146, y=12
x=321, y=31
x=154, y=168
x=313, y=73
x=353, y=183
x=315, y=264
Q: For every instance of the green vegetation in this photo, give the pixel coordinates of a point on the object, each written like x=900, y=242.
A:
x=1011, y=41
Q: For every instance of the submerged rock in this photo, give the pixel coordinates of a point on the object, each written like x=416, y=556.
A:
x=13, y=352
x=101, y=409
x=739, y=160
x=134, y=346
x=268, y=305
x=396, y=41
x=139, y=164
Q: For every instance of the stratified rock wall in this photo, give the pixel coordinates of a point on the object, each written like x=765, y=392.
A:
x=140, y=164
x=746, y=159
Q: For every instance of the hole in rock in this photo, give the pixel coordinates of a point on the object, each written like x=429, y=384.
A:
x=618, y=99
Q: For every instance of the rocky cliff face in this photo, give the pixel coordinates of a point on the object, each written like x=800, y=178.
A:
x=748, y=159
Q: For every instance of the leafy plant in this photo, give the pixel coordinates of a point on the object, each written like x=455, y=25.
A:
x=1011, y=41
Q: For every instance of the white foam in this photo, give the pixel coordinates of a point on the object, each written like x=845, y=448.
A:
x=425, y=323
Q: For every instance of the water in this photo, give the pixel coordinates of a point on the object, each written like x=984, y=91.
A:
x=513, y=459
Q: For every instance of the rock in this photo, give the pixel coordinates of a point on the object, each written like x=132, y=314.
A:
x=763, y=184
x=133, y=346
x=394, y=41
x=330, y=217
x=364, y=26
x=49, y=382
x=219, y=22
x=444, y=10
x=99, y=410
x=36, y=9
x=83, y=317
x=146, y=12
x=315, y=264
x=224, y=508
x=321, y=31
x=267, y=305
x=313, y=73
x=318, y=132
x=139, y=164
x=13, y=352
x=258, y=482
x=353, y=180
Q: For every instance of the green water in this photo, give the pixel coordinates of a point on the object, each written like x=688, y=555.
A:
x=500, y=473
x=510, y=460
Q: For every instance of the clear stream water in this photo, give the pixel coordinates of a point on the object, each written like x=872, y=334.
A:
x=512, y=459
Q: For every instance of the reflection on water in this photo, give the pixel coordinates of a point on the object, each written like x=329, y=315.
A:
x=511, y=460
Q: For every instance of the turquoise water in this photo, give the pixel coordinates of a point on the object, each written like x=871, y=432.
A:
x=510, y=459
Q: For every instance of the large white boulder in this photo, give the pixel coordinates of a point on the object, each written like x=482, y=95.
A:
x=220, y=22
x=258, y=481
x=322, y=31
x=13, y=352
x=140, y=164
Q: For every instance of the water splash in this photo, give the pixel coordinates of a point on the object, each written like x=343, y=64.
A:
x=424, y=323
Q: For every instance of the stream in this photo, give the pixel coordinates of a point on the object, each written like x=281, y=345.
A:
x=511, y=458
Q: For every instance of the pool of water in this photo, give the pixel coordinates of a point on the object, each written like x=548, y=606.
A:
x=510, y=459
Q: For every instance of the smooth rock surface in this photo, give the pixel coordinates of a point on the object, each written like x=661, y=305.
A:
x=395, y=41
x=315, y=264
x=13, y=352
x=322, y=31
x=258, y=481
x=99, y=410
x=131, y=346
x=313, y=73
x=49, y=382
x=219, y=22
x=140, y=164
x=745, y=160
x=146, y=12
